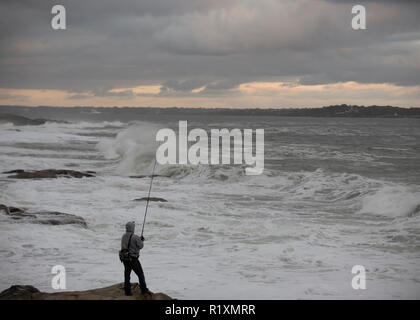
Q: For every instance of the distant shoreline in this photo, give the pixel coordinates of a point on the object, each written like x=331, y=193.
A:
x=335, y=111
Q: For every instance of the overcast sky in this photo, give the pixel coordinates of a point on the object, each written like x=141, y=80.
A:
x=210, y=53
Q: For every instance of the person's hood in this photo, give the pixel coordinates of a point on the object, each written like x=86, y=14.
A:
x=130, y=226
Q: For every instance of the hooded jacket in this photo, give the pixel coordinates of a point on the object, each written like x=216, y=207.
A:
x=136, y=243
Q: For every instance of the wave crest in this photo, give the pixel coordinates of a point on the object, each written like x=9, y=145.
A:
x=392, y=201
x=133, y=147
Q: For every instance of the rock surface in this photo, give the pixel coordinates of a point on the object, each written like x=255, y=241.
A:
x=151, y=199
x=48, y=174
x=20, y=120
x=141, y=176
x=42, y=217
x=114, y=292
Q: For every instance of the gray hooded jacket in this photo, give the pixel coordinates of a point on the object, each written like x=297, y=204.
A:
x=135, y=245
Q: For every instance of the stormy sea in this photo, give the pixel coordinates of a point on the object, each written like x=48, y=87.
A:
x=335, y=192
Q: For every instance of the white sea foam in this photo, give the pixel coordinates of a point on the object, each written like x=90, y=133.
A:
x=392, y=201
x=284, y=234
x=133, y=147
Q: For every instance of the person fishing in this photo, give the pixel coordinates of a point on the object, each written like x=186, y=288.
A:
x=131, y=244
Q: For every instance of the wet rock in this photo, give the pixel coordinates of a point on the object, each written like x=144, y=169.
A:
x=14, y=171
x=114, y=292
x=20, y=120
x=18, y=292
x=141, y=176
x=42, y=217
x=23, y=121
x=4, y=208
x=48, y=174
x=155, y=199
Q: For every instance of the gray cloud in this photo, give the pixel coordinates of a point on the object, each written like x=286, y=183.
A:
x=13, y=96
x=108, y=93
x=188, y=44
x=183, y=85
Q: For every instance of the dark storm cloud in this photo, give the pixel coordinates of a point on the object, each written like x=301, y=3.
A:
x=188, y=44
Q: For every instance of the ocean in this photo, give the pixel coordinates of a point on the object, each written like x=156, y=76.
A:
x=335, y=192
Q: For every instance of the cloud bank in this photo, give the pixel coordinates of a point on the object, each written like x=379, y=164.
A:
x=206, y=52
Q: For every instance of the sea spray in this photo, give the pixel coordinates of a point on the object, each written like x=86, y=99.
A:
x=134, y=148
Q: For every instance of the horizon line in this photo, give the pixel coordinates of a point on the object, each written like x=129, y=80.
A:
x=211, y=108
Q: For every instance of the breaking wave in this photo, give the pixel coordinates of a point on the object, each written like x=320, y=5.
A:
x=392, y=201
x=358, y=193
x=134, y=151
x=216, y=172
x=134, y=148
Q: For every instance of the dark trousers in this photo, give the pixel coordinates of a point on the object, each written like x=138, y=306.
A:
x=134, y=265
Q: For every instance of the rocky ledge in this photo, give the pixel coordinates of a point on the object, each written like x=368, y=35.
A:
x=49, y=174
x=23, y=121
x=114, y=292
x=42, y=217
x=141, y=176
x=155, y=199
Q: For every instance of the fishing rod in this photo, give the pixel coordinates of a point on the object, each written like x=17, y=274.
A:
x=148, y=198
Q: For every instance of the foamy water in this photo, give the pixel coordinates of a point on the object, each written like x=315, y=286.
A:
x=334, y=193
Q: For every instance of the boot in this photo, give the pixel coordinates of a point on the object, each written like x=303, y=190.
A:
x=146, y=291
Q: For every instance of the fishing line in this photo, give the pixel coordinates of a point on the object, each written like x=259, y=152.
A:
x=148, y=197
